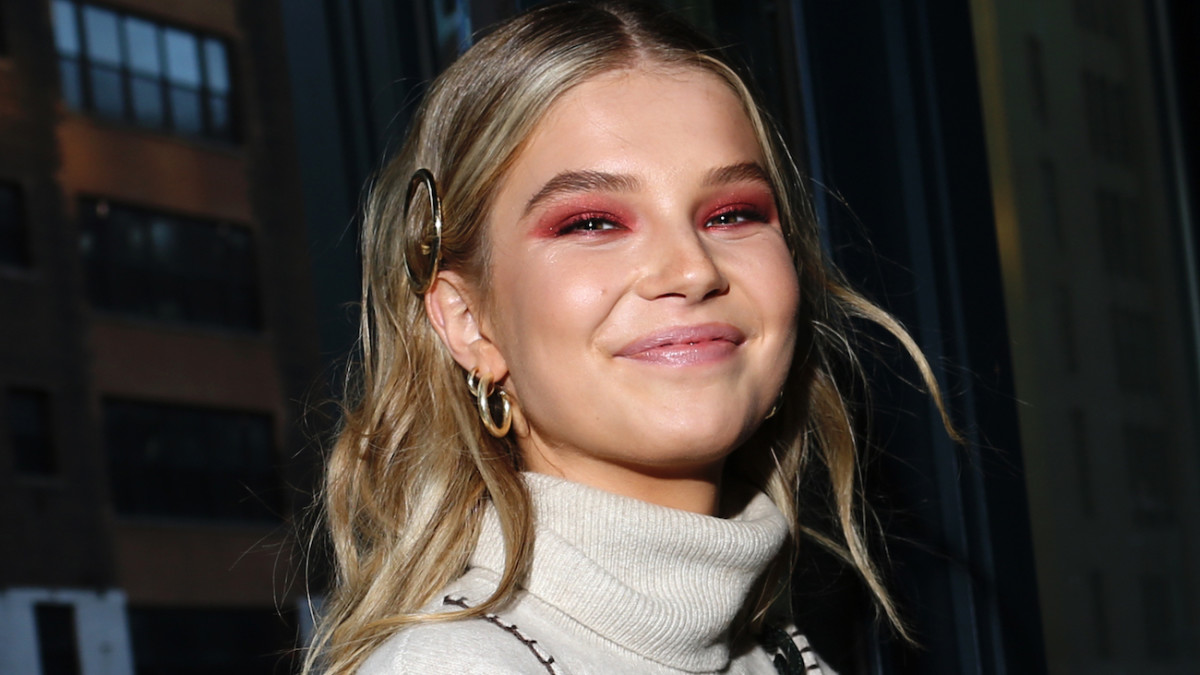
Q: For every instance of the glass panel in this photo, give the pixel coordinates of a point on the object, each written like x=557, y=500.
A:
x=165, y=267
x=163, y=241
x=141, y=39
x=69, y=80
x=100, y=29
x=162, y=256
x=107, y=98
x=216, y=66
x=14, y=245
x=243, y=298
x=29, y=431
x=57, y=636
x=147, y=102
x=131, y=239
x=190, y=462
x=93, y=246
x=117, y=276
x=185, y=111
x=66, y=29
x=183, y=58
x=220, y=126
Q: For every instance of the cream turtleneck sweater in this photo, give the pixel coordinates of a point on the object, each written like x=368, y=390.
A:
x=616, y=585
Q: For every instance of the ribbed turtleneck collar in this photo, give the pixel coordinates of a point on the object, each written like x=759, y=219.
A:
x=662, y=583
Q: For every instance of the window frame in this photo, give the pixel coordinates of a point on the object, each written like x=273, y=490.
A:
x=127, y=76
x=5, y=45
x=50, y=465
x=98, y=267
x=264, y=506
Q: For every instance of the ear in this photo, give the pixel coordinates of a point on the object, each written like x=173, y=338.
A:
x=454, y=314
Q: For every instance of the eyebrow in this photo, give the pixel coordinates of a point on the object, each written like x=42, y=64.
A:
x=746, y=172
x=570, y=182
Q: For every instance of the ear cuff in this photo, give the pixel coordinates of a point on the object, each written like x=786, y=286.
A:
x=423, y=253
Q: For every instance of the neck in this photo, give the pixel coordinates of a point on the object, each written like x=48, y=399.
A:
x=695, y=489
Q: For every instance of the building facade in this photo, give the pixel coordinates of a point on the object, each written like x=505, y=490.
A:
x=158, y=340
x=1089, y=132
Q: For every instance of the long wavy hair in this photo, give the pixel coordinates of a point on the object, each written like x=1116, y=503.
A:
x=412, y=467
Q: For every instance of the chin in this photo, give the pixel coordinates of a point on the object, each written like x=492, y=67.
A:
x=712, y=426
x=691, y=447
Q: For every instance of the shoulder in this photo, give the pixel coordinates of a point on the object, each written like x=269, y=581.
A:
x=478, y=646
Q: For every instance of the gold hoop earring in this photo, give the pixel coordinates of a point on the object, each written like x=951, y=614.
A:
x=481, y=386
x=430, y=253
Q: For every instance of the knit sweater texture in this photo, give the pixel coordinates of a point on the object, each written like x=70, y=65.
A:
x=617, y=585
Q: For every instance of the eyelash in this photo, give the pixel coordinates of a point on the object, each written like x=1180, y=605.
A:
x=591, y=223
x=745, y=214
x=586, y=223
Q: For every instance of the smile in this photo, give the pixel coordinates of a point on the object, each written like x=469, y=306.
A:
x=685, y=345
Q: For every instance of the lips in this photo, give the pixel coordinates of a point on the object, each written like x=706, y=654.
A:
x=685, y=345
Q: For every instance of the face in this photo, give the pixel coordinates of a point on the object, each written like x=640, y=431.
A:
x=642, y=300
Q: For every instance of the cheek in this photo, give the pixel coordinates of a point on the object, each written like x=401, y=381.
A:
x=548, y=305
x=786, y=290
x=773, y=281
x=778, y=294
x=556, y=294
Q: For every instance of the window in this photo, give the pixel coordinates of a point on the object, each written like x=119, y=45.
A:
x=168, y=460
x=1098, y=612
x=3, y=33
x=1151, y=464
x=1069, y=341
x=1122, y=237
x=14, y=243
x=1052, y=201
x=1102, y=17
x=1164, y=636
x=132, y=69
x=1037, y=78
x=29, y=432
x=1108, y=116
x=194, y=641
x=169, y=268
x=1137, y=344
x=58, y=646
x=1080, y=451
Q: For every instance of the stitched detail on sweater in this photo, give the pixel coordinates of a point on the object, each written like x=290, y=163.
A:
x=790, y=650
x=806, y=651
x=537, y=650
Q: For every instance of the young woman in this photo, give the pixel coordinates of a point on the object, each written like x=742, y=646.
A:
x=598, y=346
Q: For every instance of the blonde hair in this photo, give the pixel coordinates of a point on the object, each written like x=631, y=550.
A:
x=412, y=467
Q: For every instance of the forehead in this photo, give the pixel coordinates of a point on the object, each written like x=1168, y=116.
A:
x=642, y=103
x=647, y=122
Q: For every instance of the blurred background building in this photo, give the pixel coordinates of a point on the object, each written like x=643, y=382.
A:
x=157, y=337
x=1016, y=179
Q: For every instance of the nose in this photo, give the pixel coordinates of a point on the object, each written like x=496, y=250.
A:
x=678, y=262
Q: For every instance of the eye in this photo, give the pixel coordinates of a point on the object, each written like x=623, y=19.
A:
x=588, y=224
x=736, y=216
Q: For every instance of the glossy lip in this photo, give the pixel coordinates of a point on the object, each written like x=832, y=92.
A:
x=685, y=345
